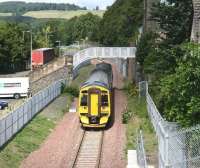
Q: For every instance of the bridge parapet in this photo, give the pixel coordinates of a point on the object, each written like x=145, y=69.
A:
x=103, y=52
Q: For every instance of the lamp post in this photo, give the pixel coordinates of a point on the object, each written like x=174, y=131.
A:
x=47, y=35
x=58, y=41
x=31, y=45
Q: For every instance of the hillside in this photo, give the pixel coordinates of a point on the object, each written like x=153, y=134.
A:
x=61, y=14
x=23, y=7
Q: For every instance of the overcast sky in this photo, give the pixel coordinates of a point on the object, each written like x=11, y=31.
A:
x=88, y=3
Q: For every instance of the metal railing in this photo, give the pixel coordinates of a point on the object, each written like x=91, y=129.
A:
x=141, y=155
x=15, y=120
x=177, y=148
x=103, y=52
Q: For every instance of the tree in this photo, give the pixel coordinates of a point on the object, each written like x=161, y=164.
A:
x=179, y=98
x=145, y=46
x=13, y=53
x=121, y=22
x=175, y=19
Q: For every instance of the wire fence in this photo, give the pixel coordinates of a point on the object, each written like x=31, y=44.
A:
x=141, y=156
x=177, y=148
x=14, y=121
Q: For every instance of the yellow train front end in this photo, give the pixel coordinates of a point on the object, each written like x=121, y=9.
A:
x=94, y=106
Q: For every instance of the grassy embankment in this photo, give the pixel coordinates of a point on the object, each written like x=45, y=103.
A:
x=136, y=118
x=34, y=134
x=61, y=14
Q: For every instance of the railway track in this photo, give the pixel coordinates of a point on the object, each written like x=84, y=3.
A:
x=89, y=153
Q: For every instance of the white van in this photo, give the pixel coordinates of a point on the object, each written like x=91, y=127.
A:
x=14, y=87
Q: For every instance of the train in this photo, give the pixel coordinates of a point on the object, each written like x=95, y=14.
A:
x=42, y=56
x=95, y=97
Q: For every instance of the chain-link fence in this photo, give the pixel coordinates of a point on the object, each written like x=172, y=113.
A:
x=177, y=148
x=141, y=156
x=14, y=121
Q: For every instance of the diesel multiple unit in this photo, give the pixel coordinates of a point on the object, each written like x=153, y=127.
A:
x=95, y=97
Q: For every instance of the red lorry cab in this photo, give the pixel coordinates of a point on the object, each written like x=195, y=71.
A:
x=42, y=56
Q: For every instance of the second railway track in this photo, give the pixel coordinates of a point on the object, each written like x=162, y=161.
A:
x=89, y=153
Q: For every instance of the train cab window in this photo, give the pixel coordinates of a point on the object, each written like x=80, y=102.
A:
x=104, y=100
x=84, y=100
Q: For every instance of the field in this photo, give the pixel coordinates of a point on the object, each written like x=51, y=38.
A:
x=61, y=14
x=5, y=14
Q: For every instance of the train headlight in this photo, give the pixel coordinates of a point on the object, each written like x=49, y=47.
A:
x=83, y=114
x=104, y=114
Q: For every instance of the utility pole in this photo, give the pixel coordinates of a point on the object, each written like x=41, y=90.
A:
x=31, y=46
x=58, y=41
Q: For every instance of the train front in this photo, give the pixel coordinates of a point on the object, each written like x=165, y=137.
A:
x=95, y=99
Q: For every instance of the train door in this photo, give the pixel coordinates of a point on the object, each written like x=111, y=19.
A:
x=94, y=106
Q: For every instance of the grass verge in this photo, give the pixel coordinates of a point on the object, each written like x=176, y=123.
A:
x=28, y=140
x=34, y=134
x=138, y=119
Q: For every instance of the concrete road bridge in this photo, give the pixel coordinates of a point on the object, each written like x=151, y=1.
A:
x=123, y=56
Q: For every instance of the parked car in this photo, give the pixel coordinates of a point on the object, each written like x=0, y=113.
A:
x=3, y=104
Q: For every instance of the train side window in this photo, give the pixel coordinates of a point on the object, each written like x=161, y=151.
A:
x=84, y=100
x=104, y=100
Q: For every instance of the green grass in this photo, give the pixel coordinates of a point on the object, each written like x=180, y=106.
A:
x=32, y=135
x=139, y=120
x=61, y=14
x=28, y=140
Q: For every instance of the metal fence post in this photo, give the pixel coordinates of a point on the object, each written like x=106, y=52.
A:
x=167, y=149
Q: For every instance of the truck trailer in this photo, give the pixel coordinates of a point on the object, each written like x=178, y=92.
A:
x=14, y=87
x=42, y=56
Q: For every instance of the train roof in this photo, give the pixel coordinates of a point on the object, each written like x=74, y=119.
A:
x=97, y=77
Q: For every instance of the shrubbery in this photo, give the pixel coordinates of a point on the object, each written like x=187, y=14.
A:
x=131, y=90
x=72, y=91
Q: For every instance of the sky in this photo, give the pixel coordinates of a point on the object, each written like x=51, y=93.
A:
x=90, y=4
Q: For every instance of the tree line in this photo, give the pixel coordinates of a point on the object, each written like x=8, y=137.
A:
x=19, y=8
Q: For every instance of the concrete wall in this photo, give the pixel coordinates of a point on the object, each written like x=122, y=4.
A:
x=47, y=69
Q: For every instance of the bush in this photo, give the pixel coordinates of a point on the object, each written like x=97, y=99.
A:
x=130, y=89
x=72, y=91
x=126, y=116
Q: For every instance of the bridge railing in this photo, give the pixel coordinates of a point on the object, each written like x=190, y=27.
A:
x=14, y=121
x=103, y=52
